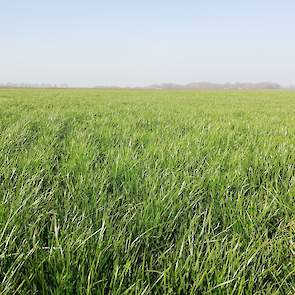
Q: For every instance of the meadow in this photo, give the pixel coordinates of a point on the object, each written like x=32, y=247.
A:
x=147, y=192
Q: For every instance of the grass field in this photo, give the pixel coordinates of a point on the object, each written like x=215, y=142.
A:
x=147, y=192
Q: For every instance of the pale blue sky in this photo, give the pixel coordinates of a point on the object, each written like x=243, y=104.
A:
x=134, y=43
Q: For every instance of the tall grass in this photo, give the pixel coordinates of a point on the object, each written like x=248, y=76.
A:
x=147, y=192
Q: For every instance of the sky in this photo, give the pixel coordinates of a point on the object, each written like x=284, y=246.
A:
x=137, y=43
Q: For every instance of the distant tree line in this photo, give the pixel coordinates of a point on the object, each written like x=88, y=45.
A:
x=208, y=85
x=32, y=85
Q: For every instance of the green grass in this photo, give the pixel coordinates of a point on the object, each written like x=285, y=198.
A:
x=147, y=192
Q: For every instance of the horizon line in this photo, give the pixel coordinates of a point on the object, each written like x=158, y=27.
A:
x=169, y=85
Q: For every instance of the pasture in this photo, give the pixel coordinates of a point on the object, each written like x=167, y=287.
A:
x=147, y=192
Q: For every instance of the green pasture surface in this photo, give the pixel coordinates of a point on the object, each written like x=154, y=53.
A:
x=147, y=192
